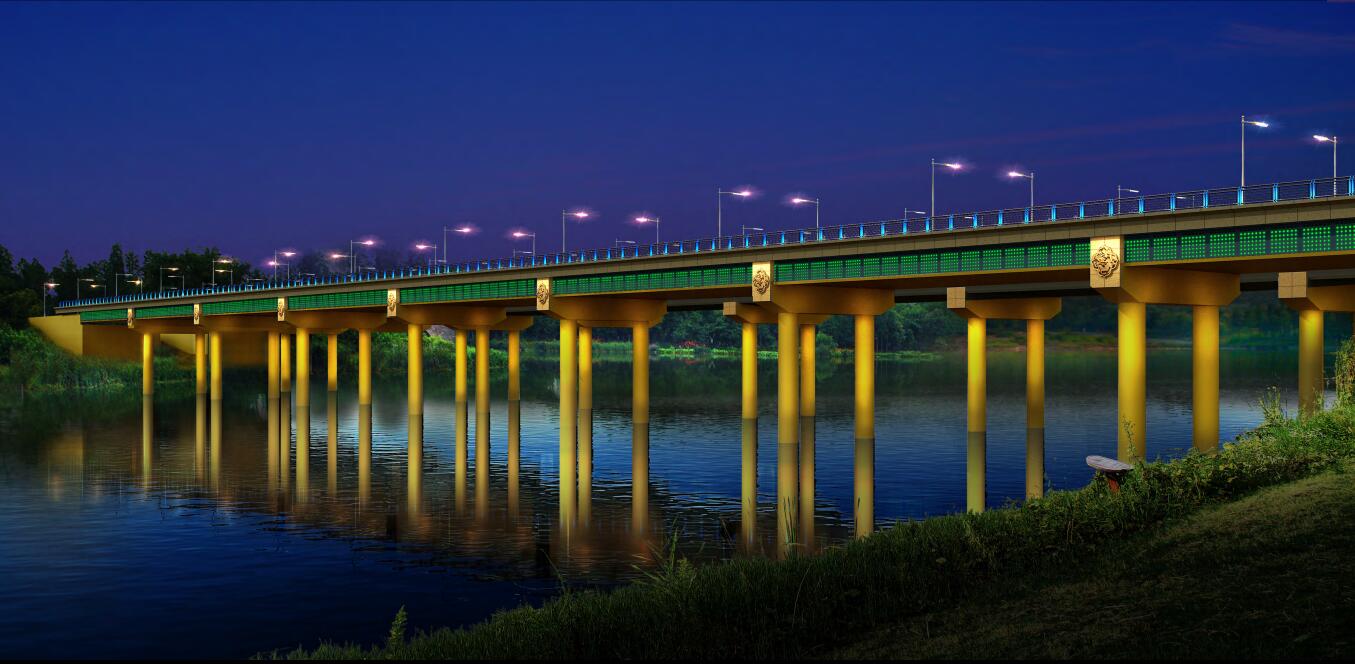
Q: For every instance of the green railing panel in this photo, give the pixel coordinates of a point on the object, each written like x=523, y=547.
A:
x=254, y=306
x=367, y=298
x=737, y=275
x=167, y=311
x=487, y=290
x=1288, y=239
x=1019, y=257
x=107, y=314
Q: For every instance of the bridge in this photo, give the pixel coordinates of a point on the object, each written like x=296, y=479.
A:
x=1197, y=249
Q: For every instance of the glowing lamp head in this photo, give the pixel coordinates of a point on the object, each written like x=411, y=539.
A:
x=798, y=201
x=367, y=243
x=744, y=193
x=953, y=167
x=421, y=247
x=272, y=263
x=50, y=285
x=519, y=234
x=1262, y=125
x=1014, y=174
x=581, y=214
x=336, y=256
x=1323, y=139
x=644, y=220
x=464, y=230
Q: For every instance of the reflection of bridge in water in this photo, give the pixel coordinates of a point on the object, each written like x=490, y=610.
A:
x=1197, y=249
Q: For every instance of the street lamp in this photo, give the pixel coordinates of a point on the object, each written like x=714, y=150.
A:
x=275, y=264
x=720, y=208
x=802, y=201
x=353, y=253
x=1333, y=141
x=952, y=166
x=464, y=230
x=618, y=244
x=223, y=261
x=743, y=230
x=117, y=281
x=650, y=220
x=163, y=270
x=1245, y=122
x=564, y=215
x=47, y=287
x=1030, y=176
x=77, y=286
x=1119, y=193
x=424, y=247
x=518, y=235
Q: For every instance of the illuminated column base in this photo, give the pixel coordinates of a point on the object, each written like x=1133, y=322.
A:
x=1035, y=365
x=1310, y=361
x=977, y=453
x=200, y=364
x=285, y=361
x=364, y=367
x=481, y=422
x=415, y=353
x=147, y=364
x=303, y=367
x=585, y=424
x=332, y=363
x=569, y=416
x=215, y=351
x=1205, y=378
x=864, y=466
x=274, y=365
x=787, y=430
x=749, y=360
x=639, y=451
x=1133, y=377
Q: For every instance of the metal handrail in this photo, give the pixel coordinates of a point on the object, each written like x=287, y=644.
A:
x=944, y=223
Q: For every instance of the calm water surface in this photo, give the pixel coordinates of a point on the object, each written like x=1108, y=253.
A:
x=177, y=530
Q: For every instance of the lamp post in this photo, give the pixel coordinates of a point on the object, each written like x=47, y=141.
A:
x=423, y=247
x=1119, y=193
x=163, y=270
x=352, y=254
x=565, y=215
x=464, y=230
x=86, y=280
x=518, y=235
x=117, y=281
x=275, y=264
x=47, y=287
x=803, y=201
x=1030, y=176
x=223, y=261
x=1254, y=123
x=952, y=166
x=650, y=220
x=1330, y=139
x=619, y=244
x=720, y=208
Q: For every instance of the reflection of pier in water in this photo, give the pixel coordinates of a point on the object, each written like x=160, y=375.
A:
x=458, y=506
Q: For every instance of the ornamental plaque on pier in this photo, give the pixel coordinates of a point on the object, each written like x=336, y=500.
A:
x=543, y=294
x=392, y=302
x=762, y=282
x=197, y=314
x=131, y=318
x=1107, y=257
x=282, y=309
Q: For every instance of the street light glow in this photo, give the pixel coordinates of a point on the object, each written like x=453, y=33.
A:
x=1322, y=139
x=953, y=167
x=1014, y=174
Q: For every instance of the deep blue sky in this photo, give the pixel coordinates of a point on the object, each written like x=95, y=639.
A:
x=258, y=126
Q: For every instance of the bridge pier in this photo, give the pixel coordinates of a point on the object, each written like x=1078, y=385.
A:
x=415, y=383
x=1311, y=302
x=863, y=513
x=749, y=316
x=200, y=364
x=577, y=313
x=332, y=362
x=285, y=361
x=1035, y=311
x=303, y=368
x=1132, y=289
x=364, y=367
x=460, y=399
x=274, y=368
x=216, y=350
x=585, y=423
x=147, y=364
x=796, y=305
x=481, y=422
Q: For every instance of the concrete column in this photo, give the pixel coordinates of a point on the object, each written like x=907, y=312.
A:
x=461, y=378
x=748, y=494
x=639, y=446
x=1035, y=365
x=481, y=422
x=864, y=467
x=147, y=364
x=569, y=417
x=462, y=427
x=274, y=365
x=514, y=366
x=415, y=354
x=749, y=356
x=285, y=361
x=364, y=448
x=1310, y=361
x=787, y=429
x=364, y=367
x=977, y=454
x=303, y=367
x=585, y=441
x=332, y=362
x=200, y=364
x=216, y=350
x=807, y=373
x=1205, y=377
x=1133, y=378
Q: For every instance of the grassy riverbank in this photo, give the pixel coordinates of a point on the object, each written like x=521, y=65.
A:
x=812, y=605
x=31, y=363
x=1264, y=577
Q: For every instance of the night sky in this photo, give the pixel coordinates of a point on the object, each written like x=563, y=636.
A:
x=255, y=126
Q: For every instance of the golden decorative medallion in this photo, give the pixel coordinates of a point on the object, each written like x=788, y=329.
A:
x=197, y=314
x=761, y=282
x=392, y=301
x=542, y=294
x=131, y=318
x=282, y=309
x=1105, y=261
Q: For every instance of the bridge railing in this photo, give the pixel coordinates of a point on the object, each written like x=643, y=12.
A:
x=944, y=223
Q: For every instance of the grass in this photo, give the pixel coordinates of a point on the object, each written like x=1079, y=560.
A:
x=32, y=364
x=813, y=605
x=1264, y=577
